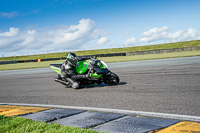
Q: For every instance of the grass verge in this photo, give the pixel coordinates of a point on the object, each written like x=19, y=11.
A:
x=28, y=65
x=105, y=51
x=22, y=125
x=106, y=59
x=151, y=56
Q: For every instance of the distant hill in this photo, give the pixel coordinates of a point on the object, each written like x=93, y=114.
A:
x=105, y=51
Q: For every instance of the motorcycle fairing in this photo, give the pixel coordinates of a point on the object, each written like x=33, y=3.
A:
x=95, y=75
x=56, y=67
x=101, y=70
x=81, y=67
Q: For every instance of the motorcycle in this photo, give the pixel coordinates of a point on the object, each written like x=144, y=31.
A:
x=97, y=69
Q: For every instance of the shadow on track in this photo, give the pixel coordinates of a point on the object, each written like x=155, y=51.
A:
x=100, y=85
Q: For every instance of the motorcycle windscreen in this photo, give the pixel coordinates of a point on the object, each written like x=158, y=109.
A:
x=101, y=70
x=81, y=67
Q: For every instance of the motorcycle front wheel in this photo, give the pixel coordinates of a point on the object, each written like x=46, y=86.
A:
x=111, y=79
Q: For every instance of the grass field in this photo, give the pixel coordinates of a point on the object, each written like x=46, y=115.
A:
x=104, y=51
x=106, y=59
x=22, y=125
x=151, y=56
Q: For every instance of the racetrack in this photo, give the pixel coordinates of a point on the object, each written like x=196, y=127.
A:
x=164, y=86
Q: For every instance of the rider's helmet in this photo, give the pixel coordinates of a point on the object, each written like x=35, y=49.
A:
x=72, y=59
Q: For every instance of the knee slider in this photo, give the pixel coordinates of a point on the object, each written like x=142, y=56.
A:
x=75, y=85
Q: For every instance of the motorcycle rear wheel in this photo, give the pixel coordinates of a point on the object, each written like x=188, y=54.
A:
x=111, y=79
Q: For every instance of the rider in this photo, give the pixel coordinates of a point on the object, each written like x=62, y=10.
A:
x=68, y=70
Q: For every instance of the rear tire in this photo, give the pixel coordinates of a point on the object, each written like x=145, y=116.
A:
x=111, y=79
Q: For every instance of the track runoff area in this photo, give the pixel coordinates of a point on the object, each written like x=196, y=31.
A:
x=101, y=119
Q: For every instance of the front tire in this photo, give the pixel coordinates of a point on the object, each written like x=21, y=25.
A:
x=111, y=79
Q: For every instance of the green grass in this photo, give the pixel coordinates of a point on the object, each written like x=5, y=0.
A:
x=106, y=59
x=22, y=125
x=151, y=56
x=104, y=51
x=28, y=65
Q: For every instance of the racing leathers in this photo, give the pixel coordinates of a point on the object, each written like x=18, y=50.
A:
x=68, y=74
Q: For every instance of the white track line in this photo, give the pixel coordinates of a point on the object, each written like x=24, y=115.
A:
x=128, y=112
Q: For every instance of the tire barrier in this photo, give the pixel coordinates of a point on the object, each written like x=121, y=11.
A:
x=52, y=59
x=8, y=62
x=163, y=51
x=105, y=55
x=36, y=60
x=25, y=61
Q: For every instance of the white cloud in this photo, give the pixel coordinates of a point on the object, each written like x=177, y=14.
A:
x=162, y=33
x=12, y=32
x=31, y=32
x=130, y=41
x=155, y=31
x=154, y=34
x=193, y=32
x=8, y=14
x=77, y=33
x=102, y=40
x=60, y=38
x=177, y=35
x=190, y=34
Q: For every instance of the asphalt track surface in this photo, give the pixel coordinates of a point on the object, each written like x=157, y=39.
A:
x=165, y=86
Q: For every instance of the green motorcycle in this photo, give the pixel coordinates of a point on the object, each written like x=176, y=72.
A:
x=97, y=69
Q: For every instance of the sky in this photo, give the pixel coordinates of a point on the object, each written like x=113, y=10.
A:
x=29, y=27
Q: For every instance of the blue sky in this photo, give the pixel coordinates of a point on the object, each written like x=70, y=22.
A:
x=41, y=26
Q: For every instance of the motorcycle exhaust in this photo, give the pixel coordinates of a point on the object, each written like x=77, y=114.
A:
x=61, y=81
